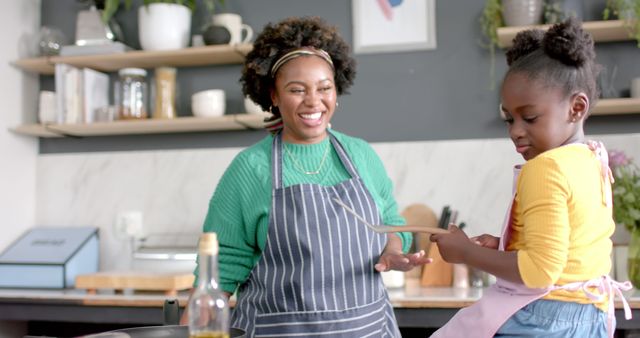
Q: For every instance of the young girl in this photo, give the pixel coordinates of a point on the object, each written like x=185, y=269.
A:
x=553, y=258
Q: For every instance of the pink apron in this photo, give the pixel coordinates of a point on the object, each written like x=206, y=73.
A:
x=484, y=318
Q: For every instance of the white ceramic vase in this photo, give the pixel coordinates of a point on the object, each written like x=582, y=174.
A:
x=522, y=12
x=164, y=26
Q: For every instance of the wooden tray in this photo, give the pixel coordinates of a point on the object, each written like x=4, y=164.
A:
x=169, y=283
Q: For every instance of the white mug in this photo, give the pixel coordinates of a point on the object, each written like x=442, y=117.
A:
x=635, y=88
x=233, y=23
x=47, y=107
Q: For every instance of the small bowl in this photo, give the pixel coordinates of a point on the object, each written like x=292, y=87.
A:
x=208, y=103
x=251, y=107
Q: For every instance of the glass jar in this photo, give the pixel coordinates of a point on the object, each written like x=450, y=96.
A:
x=165, y=92
x=132, y=94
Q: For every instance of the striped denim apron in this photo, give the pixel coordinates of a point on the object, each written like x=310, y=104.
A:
x=315, y=277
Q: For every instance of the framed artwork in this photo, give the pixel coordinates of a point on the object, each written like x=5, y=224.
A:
x=381, y=26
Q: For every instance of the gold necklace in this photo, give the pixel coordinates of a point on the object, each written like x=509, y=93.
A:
x=297, y=165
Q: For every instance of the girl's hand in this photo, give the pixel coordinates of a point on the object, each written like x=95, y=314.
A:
x=487, y=241
x=454, y=245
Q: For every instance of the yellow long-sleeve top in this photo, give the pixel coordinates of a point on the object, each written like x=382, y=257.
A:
x=561, y=223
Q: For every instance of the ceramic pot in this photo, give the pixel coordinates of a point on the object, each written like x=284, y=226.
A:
x=559, y=10
x=522, y=12
x=633, y=260
x=216, y=35
x=164, y=26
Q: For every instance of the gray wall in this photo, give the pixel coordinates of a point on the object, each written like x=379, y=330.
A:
x=409, y=96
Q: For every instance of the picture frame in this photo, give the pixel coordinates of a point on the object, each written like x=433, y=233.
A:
x=384, y=26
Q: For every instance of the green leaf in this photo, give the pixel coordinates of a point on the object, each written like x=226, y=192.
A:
x=628, y=198
x=110, y=8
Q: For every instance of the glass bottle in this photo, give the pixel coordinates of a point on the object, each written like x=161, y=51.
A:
x=165, y=91
x=132, y=96
x=208, y=307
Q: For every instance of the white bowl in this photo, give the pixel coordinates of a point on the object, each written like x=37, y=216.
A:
x=251, y=107
x=208, y=103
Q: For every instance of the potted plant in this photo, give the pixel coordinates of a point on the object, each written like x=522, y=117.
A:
x=626, y=207
x=556, y=11
x=490, y=21
x=162, y=24
x=111, y=6
x=628, y=11
x=500, y=13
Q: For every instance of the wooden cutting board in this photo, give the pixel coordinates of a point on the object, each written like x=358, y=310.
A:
x=168, y=282
x=438, y=272
x=423, y=215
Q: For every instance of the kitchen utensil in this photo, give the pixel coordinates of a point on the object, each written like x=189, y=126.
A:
x=380, y=228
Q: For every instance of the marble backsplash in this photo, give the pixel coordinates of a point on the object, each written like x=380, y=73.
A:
x=172, y=188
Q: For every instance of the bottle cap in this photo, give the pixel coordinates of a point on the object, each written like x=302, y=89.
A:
x=132, y=71
x=209, y=243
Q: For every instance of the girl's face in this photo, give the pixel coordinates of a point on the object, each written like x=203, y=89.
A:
x=305, y=93
x=540, y=118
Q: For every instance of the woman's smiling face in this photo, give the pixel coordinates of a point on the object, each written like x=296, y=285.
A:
x=305, y=94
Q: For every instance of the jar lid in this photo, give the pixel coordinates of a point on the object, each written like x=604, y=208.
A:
x=132, y=71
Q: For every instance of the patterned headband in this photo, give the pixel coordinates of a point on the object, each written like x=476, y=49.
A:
x=299, y=52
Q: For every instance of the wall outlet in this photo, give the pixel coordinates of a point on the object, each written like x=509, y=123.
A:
x=129, y=224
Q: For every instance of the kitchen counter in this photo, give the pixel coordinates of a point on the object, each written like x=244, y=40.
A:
x=415, y=306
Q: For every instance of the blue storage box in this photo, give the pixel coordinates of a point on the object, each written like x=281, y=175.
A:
x=50, y=258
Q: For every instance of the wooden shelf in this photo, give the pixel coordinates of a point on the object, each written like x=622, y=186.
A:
x=602, y=31
x=37, y=130
x=147, y=126
x=187, y=57
x=617, y=106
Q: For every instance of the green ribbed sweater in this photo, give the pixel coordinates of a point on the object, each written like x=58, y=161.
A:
x=240, y=206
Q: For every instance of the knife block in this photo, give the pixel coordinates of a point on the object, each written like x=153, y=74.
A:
x=438, y=272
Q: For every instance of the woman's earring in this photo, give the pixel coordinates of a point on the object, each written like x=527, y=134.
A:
x=337, y=104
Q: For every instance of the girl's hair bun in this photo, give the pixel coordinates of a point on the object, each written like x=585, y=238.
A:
x=568, y=43
x=524, y=44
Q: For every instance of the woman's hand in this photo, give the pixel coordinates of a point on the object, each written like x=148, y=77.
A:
x=392, y=257
x=453, y=246
x=487, y=241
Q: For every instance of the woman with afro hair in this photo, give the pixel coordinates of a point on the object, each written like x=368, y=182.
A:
x=300, y=263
